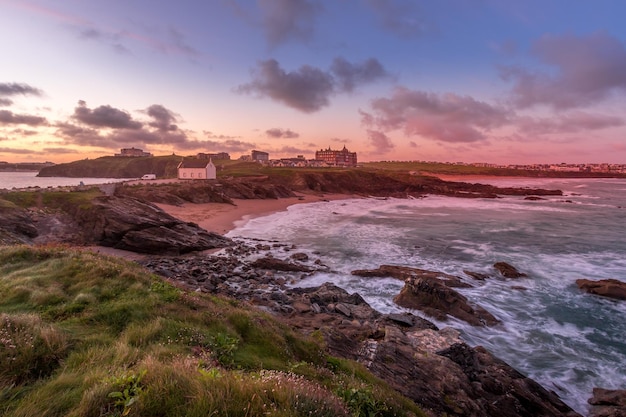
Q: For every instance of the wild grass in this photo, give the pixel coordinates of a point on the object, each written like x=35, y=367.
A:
x=82, y=334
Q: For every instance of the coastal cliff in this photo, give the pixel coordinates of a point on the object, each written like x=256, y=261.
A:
x=431, y=366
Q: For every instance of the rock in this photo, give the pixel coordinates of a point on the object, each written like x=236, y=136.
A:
x=476, y=275
x=508, y=271
x=300, y=256
x=610, y=288
x=16, y=225
x=276, y=264
x=404, y=272
x=533, y=198
x=608, y=403
x=435, y=298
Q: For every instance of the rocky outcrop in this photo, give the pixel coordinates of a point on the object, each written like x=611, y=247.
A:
x=429, y=365
x=432, y=292
x=508, y=271
x=608, y=403
x=16, y=225
x=610, y=288
x=275, y=264
x=405, y=272
x=130, y=224
x=435, y=298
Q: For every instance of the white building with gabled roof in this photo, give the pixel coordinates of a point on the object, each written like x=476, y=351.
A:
x=196, y=169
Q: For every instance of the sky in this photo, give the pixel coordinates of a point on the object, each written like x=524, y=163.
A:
x=505, y=82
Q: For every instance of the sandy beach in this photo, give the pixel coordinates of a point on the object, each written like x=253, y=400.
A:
x=222, y=218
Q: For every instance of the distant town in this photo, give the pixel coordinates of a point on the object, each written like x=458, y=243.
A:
x=340, y=158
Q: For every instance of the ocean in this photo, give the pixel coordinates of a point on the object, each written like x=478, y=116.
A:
x=567, y=340
x=25, y=179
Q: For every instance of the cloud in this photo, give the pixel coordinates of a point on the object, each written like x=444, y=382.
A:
x=9, y=118
x=349, y=75
x=104, y=116
x=573, y=122
x=380, y=141
x=441, y=117
x=230, y=145
x=212, y=135
x=412, y=144
x=164, y=119
x=587, y=69
x=284, y=20
x=281, y=133
x=13, y=89
x=400, y=17
x=309, y=88
x=291, y=150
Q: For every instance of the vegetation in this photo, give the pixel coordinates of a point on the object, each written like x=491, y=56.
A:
x=50, y=199
x=87, y=335
x=115, y=167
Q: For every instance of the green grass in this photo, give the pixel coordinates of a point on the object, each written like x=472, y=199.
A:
x=82, y=334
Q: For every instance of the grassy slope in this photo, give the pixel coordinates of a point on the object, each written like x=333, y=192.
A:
x=87, y=335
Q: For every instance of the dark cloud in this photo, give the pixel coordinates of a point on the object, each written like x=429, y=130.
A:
x=16, y=151
x=349, y=75
x=281, y=133
x=9, y=118
x=573, y=122
x=24, y=132
x=380, y=141
x=105, y=117
x=5, y=102
x=284, y=20
x=412, y=144
x=13, y=89
x=446, y=117
x=164, y=119
x=80, y=135
x=586, y=70
x=57, y=150
x=400, y=17
x=309, y=89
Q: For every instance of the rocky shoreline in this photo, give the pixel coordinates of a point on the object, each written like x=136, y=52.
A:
x=432, y=366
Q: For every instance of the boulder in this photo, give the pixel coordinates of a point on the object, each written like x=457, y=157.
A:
x=610, y=288
x=608, y=403
x=16, y=225
x=508, y=271
x=435, y=298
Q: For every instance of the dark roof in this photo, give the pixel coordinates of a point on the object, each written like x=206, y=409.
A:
x=194, y=163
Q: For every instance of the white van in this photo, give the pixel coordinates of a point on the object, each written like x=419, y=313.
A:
x=149, y=177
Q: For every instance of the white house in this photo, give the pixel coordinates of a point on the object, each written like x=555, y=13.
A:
x=196, y=169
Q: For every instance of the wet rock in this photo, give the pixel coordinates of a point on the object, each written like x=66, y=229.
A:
x=435, y=298
x=476, y=275
x=276, y=264
x=610, y=288
x=533, y=198
x=405, y=272
x=300, y=256
x=508, y=271
x=608, y=403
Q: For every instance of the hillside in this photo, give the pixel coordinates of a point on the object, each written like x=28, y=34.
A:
x=115, y=167
x=87, y=335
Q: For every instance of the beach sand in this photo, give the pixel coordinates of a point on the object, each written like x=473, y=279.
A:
x=222, y=218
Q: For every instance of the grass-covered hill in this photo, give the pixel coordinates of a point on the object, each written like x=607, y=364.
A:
x=115, y=167
x=87, y=335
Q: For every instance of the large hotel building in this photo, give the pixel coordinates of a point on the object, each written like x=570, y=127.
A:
x=340, y=158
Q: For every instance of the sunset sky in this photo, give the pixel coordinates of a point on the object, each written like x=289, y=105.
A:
x=519, y=81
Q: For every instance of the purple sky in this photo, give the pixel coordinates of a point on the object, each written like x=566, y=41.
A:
x=448, y=80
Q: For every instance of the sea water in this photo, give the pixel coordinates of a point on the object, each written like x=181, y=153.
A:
x=565, y=339
x=25, y=179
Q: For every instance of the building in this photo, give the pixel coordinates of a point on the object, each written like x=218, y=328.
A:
x=260, y=156
x=132, y=153
x=196, y=169
x=338, y=158
x=214, y=156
